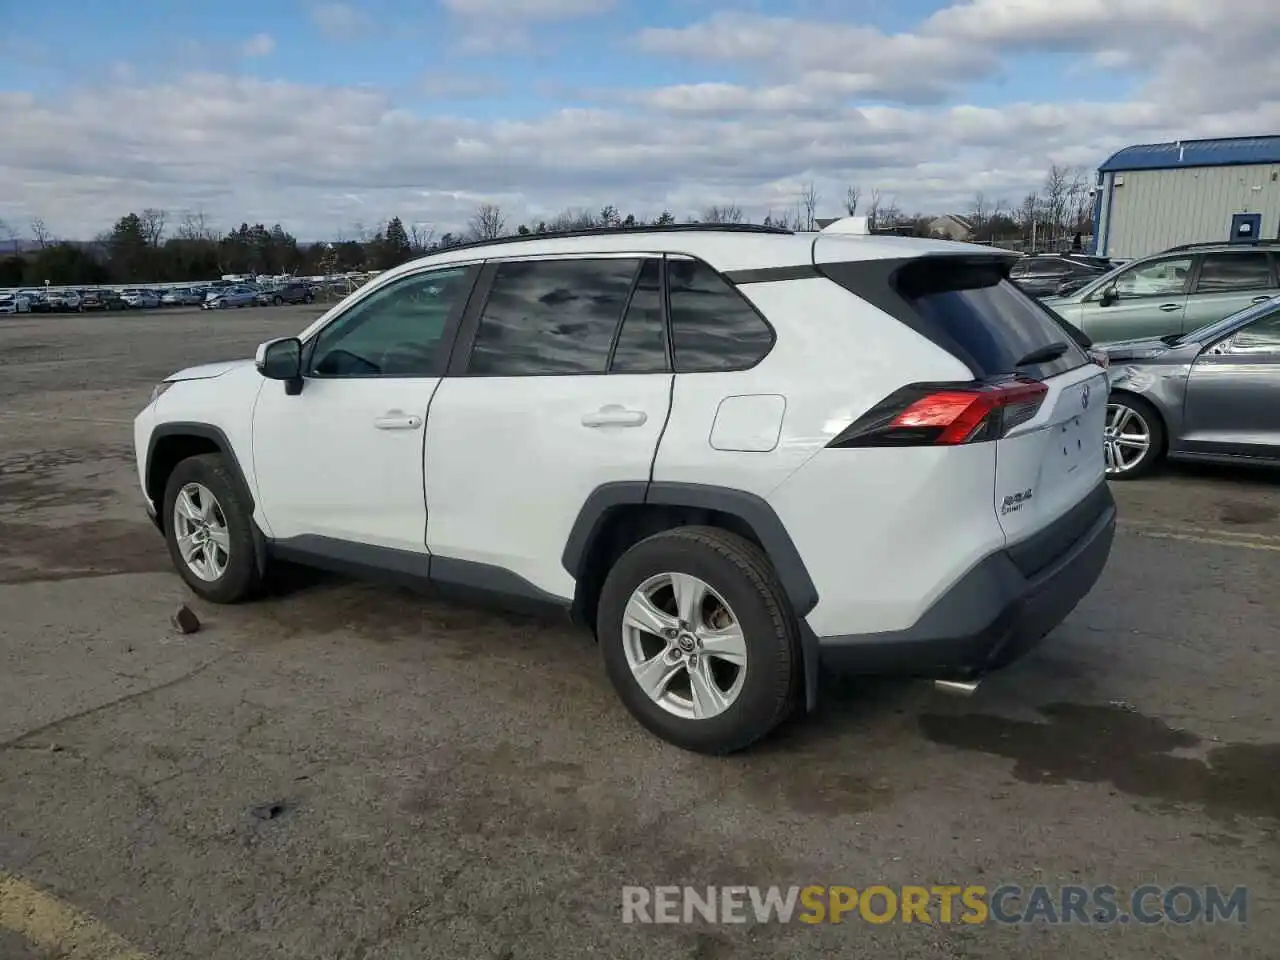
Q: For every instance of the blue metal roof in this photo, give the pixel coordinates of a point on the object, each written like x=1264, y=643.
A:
x=1231, y=152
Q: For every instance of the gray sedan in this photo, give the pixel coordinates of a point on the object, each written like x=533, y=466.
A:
x=1212, y=395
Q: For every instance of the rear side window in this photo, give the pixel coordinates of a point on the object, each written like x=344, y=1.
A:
x=970, y=309
x=1234, y=272
x=712, y=327
x=551, y=317
x=642, y=341
x=984, y=319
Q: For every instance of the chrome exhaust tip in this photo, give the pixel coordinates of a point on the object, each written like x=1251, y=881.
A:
x=957, y=688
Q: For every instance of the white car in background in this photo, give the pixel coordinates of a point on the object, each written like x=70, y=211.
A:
x=139, y=299
x=11, y=303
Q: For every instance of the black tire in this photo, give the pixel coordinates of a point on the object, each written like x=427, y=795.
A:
x=740, y=572
x=1152, y=420
x=241, y=580
x=277, y=300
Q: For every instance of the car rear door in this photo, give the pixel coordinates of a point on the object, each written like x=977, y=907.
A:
x=1232, y=402
x=560, y=382
x=1150, y=300
x=1227, y=282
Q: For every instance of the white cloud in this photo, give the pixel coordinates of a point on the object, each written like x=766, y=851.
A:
x=806, y=101
x=340, y=21
x=259, y=45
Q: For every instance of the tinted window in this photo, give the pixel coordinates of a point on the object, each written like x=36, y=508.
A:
x=1020, y=269
x=551, y=317
x=1048, y=268
x=984, y=319
x=712, y=326
x=1162, y=278
x=1230, y=272
x=642, y=341
x=396, y=332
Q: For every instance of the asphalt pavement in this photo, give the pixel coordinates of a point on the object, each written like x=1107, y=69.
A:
x=349, y=771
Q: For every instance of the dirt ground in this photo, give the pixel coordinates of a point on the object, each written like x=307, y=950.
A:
x=438, y=781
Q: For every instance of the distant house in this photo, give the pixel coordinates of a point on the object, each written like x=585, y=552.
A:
x=952, y=226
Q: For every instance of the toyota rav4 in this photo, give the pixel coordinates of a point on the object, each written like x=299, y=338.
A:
x=738, y=456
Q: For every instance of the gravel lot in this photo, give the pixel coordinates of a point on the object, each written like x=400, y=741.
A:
x=455, y=783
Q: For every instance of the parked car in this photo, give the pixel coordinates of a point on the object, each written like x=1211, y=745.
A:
x=37, y=301
x=1173, y=292
x=181, y=297
x=224, y=297
x=1211, y=394
x=64, y=300
x=1043, y=275
x=736, y=496
x=136, y=299
x=11, y=303
x=292, y=292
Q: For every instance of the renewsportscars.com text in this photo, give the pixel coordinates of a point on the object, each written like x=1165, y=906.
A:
x=1005, y=904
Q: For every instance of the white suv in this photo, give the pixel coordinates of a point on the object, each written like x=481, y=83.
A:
x=738, y=455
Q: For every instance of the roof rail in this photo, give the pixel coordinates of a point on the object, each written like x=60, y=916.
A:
x=607, y=231
x=1259, y=242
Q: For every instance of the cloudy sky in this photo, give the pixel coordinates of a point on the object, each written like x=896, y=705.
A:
x=325, y=115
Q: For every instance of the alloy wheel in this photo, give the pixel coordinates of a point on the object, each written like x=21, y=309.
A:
x=1126, y=438
x=200, y=528
x=684, y=645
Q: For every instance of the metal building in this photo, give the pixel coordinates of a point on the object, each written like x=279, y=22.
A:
x=1154, y=196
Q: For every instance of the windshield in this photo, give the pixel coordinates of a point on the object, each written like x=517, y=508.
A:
x=1212, y=330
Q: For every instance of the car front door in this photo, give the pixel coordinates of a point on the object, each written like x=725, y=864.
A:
x=1147, y=300
x=1227, y=282
x=560, y=382
x=1232, y=403
x=342, y=460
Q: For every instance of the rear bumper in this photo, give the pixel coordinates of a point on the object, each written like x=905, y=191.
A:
x=998, y=611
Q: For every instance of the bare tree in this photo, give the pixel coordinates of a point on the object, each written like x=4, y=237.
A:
x=1079, y=201
x=809, y=205
x=195, y=225
x=420, y=236
x=1028, y=216
x=574, y=219
x=890, y=212
x=1057, y=182
x=873, y=207
x=153, y=222
x=979, y=212
x=487, y=223
x=610, y=217
x=728, y=213
x=40, y=231
x=851, y=197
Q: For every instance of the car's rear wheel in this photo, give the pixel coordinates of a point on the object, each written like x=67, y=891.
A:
x=698, y=639
x=209, y=531
x=1133, y=439
x=277, y=300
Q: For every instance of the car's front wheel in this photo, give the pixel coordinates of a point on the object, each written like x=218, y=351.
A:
x=209, y=530
x=1133, y=439
x=698, y=639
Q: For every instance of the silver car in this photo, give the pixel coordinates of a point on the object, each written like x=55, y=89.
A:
x=225, y=297
x=1212, y=395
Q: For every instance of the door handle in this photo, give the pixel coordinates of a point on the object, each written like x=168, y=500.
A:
x=614, y=416
x=1260, y=299
x=1170, y=307
x=398, y=420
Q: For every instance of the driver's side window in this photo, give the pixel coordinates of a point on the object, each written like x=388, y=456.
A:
x=395, y=332
x=1163, y=278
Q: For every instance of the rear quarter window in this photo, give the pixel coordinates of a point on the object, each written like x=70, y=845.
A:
x=969, y=307
x=982, y=317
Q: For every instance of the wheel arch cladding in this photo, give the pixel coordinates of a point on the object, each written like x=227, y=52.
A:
x=747, y=508
x=171, y=443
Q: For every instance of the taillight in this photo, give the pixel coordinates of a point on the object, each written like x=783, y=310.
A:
x=945, y=414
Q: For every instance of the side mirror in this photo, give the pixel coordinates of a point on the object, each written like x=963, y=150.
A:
x=282, y=360
x=1109, y=296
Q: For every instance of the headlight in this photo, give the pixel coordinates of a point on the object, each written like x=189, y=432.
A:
x=158, y=390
